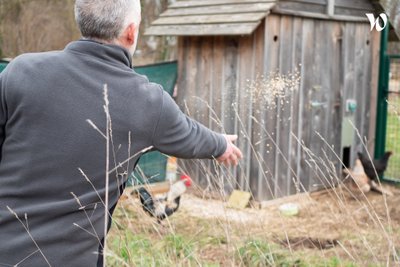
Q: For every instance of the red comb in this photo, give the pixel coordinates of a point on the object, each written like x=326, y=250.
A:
x=187, y=179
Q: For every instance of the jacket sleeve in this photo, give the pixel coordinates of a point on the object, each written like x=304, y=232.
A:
x=178, y=135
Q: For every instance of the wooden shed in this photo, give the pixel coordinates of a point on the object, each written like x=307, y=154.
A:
x=226, y=46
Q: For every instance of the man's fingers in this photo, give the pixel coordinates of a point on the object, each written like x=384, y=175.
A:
x=232, y=154
x=231, y=137
x=237, y=152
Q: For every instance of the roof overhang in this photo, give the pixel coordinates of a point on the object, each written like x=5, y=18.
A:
x=392, y=9
x=211, y=17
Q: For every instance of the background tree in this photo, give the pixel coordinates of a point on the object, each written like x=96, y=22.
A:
x=42, y=25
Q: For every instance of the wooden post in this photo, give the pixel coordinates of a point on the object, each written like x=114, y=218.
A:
x=330, y=10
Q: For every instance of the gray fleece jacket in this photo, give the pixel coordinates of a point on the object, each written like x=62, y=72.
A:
x=45, y=102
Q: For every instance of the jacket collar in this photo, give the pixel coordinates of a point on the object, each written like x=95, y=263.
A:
x=108, y=52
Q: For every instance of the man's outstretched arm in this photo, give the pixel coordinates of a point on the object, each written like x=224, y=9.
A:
x=180, y=136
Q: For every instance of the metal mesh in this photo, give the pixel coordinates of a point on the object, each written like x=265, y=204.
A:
x=393, y=121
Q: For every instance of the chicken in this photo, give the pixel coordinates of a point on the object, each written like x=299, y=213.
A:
x=379, y=165
x=360, y=181
x=157, y=207
x=163, y=207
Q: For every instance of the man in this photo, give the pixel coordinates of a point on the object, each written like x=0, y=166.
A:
x=53, y=162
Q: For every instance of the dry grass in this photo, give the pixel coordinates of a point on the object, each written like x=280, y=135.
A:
x=337, y=227
x=215, y=233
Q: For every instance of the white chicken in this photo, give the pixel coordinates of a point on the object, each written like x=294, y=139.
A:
x=360, y=180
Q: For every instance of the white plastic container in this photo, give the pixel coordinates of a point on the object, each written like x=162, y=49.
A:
x=289, y=209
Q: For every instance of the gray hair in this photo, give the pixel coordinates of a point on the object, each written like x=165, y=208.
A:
x=106, y=19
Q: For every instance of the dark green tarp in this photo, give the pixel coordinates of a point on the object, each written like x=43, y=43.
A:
x=152, y=166
x=3, y=65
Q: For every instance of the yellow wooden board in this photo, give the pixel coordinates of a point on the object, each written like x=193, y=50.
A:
x=239, y=199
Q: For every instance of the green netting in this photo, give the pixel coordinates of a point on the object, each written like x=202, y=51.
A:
x=393, y=121
x=151, y=166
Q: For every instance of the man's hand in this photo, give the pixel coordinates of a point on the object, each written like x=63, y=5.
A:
x=232, y=154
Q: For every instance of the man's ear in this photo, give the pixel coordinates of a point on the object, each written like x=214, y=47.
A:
x=130, y=34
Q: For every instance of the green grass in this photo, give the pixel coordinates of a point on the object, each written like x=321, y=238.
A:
x=261, y=253
x=138, y=250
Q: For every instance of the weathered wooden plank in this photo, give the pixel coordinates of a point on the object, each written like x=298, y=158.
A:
x=330, y=9
x=222, y=9
x=345, y=11
x=360, y=34
x=319, y=103
x=230, y=82
x=229, y=97
x=316, y=2
x=210, y=66
x=355, y=4
x=271, y=65
x=190, y=92
x=335, y=106
x=314, y=15
x=218, y=82
x=363, y=56
x=374, y=42
x=203, y=30
x=305, y=117
x=183, y=44
x=203, y=80
x=349, y=58
x=211, y=19
x=218, y=85
x=295, y=108
x=185, y=57
x=209, y=3
x=202, y=91
x=258, y=164
x=245, y=106
x=283, y=137
x=366, y=81
x=330, y=121
x=309, y=7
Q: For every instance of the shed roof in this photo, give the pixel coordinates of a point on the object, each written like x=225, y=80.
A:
x=242, y=17
x=392, y=9
x=211, y=17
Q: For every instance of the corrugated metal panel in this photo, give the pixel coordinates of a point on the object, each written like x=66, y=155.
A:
x=295, y=146
x=219, y=17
